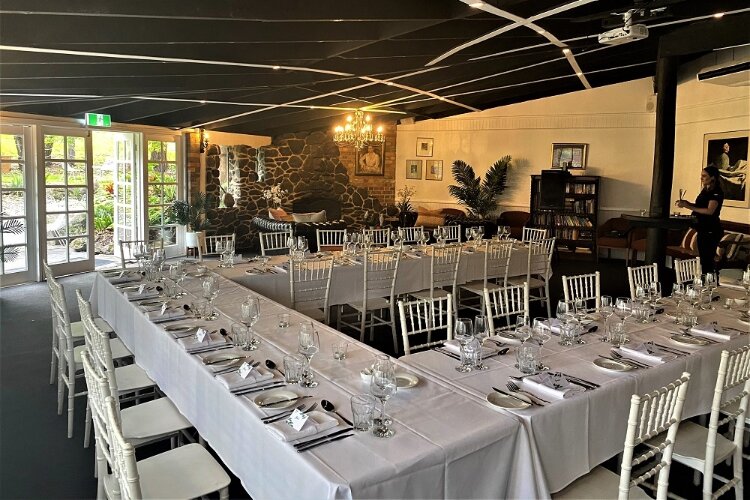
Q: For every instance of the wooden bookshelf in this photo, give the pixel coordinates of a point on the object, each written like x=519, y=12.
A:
x=575, y=225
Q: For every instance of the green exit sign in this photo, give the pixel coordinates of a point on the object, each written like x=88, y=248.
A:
x=98, y=120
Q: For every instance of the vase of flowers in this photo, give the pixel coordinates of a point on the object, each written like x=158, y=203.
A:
x=275, y=195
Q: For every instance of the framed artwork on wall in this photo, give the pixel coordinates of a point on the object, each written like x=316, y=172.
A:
x=569, y=156
x=413, y=169
x=370, y=160
x=727, y=151
x=424, y=146
x=434, y=170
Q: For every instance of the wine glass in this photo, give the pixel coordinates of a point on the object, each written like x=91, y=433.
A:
x=291, y=242
x=565, y=310
x=540, y=333
x=178, y=272
x=309, y=345
x=463, y=333
x=711, y=282
x=678, y=292
x=210, y=292
x=302, y=244
x=383, y=386
x=481, y=332
x=250, y=316
x=606, y=309
x=623, y=308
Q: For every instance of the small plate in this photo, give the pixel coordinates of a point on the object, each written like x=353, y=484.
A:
x=613, y=365
x=688, y=340
x=406, y=380
x=504, y=401
x=223, y=359
x=180, y=328
x=280, y=395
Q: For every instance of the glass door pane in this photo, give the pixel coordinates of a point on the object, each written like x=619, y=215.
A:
x=66, y=205
x=16, y=210
x=163, y=187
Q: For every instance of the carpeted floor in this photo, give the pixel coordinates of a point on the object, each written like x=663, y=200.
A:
x=36, y=458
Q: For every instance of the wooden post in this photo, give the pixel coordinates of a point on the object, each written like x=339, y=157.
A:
x=661, y=184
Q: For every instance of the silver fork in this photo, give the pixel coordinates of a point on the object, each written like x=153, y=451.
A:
x=282, y=415
x=622, y=358
x=512, y=387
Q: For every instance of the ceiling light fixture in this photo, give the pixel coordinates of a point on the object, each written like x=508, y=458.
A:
x=357, y=131
x=476, y=5
x=566, y=51
x=718, y=15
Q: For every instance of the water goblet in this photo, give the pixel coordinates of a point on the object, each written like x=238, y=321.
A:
x=309, y=345
x=463, y=333
x=383, y=386
x=606, y=309
x=623, y=308
x=250, y=315
x=481, y=332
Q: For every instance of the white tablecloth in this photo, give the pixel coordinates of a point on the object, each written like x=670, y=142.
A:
x=447, y=445
x=347, y=281
x=572, y=436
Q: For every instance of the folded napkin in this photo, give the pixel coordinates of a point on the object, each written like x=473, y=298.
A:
x=317, y=423
x=234, y=382
x=711, y=331
x=127, y=277
x=507, y=337
x=171, y=313
x=147, y=294
x=281, y=269
x=545, y=386
x=733, y=284
x=191, y=343
x=454, y=347
x=553, y=325
x=640, y=352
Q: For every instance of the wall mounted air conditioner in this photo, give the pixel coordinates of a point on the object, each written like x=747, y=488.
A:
x=734, y=74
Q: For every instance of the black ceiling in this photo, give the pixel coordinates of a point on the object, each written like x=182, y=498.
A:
x=347, y=43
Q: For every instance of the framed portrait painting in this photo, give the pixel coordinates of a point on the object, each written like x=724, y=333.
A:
x=727, y=151
x=569, y=156
x=413, y=169
x=434, y=170
x=424, y=146
x=370, y=160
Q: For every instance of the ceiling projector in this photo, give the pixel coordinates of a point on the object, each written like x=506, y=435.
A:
x=626, y=34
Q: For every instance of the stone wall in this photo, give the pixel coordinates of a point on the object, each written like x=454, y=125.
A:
x=305, y=164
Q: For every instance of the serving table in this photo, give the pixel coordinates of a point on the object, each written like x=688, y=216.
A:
x=448, y=444
x=570, y=437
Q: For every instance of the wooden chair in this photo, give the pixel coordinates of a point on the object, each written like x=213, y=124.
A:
x=214, y=245
x=657, y=413
x=505, y=302
x=642, y=276
x=380, y=271
x=686, y=270
x=330, y=239
x=453, y=233
x=584, y=286
x=310, y=285
x=276, y=241
x=424, y=317
x=533, y=234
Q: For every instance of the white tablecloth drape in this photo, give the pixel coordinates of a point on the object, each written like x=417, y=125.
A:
x=572, y=436
x=447, y=444
x=347, y=282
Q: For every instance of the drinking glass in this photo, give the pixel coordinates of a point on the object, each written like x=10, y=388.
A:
x=678, y=291
x=711, y=283
x=302, y=244
x=693, y=294
x=240, y=336
x=580, y=309
x=567, y=333
x=623, y=308
x=606, y=309
x=654, y=291
x=463, y=333
x=363, y=411
x=383, y=386
x=523, y=329
x=294, y=367
x=339, y=350
x=746, y=282
x=291, y=242
x=481, y=332
x=617, y=334
x=170, y=288
x=641, y=293
x=565, y=309
x=250, y=316
x=178, y=272
x=470, y=355
x=201, y=308
x=158, y=258
x=527, y=357
x=309, y=345
x=211, y=291
x=283, y=320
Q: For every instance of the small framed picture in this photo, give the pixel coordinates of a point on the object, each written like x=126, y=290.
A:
x=424, y=146
x=569, y=156
x=434, y=170
x=413, y=169
x=728, y=151
x=370, y=160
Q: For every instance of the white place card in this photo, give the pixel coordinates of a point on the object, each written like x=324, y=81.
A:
x=141, y=288
x=297, y=420
x=202, y=335
x=245, y=369
x=164, y=307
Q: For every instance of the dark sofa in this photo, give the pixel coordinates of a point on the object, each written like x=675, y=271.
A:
x=306, y=229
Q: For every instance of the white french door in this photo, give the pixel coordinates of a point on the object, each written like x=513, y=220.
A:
x=66, y=208
x=163, y=185
x=125, y=189
x=18, y=236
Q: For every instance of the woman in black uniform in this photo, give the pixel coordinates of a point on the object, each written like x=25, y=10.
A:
x=707, y=208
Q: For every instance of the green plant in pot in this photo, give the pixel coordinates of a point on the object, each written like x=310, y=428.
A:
x=403, y=204
x=192, y=215
x=477, y=195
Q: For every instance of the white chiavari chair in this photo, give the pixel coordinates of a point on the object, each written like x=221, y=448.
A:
x=214, y=245
x=686, y=270
x=538, y=271
x=444, y=263
x=702, y=448
x=330, y=239
x=380, y=269
x=69, y=354
x=141, y=424
x=185, y=472
x=657, y=413
x=412, y=234
x=453, y=233
x=642, y=276
x=584, y=286
x=505, y=302
x=533, y=234
x=310, y=285
x=424, y=317
x=276, y=242
x=128, y=382
x=496, y=263
x=378, y=237
x=129, y=249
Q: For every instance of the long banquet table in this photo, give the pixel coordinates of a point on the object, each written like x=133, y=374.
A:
x=448, y=444
x=347, y=280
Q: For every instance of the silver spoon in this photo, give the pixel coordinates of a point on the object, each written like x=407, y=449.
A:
x=272, y=366
x=329, y=407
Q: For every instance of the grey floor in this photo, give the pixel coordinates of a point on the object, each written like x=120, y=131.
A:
x=36, y=458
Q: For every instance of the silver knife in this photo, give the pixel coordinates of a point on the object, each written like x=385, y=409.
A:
x=288, y=400
x=323, y=442
x=313, y=441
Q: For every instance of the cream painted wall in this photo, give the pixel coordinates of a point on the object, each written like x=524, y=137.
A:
x=612, y=120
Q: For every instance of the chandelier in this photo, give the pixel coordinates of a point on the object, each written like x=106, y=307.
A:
x=357, y=131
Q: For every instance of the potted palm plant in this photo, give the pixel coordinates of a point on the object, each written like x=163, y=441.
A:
x=477, y=195
x=192, y=215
